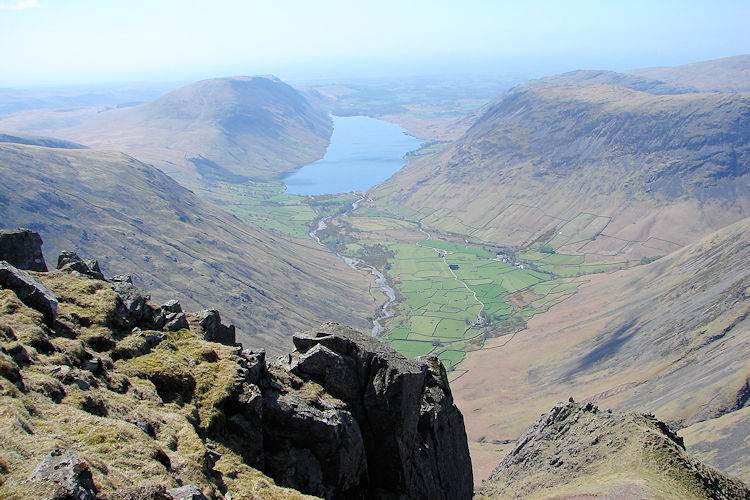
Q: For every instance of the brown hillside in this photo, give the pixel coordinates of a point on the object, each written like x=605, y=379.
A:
x=138, y=221
x=655, y=171
x=670, y=338
x=220, y=129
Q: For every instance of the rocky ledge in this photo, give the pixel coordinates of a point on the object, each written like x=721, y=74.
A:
x=107, y=395
x=578, y=451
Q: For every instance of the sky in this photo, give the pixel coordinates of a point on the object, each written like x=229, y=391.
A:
x=61, y=42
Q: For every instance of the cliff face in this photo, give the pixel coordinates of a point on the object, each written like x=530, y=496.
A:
x=115, y=397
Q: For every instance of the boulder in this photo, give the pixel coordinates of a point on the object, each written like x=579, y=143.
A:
x=172, y=306
x=208, y=323
x=176, y=321
x=29, y=291
x=70, y=261
x=22, y=249
x=188, y=492
x=133, y=308
x=63, y=469
x=313, y=449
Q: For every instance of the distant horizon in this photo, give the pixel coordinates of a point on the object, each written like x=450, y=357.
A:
x=530, y=71
x=51, y=43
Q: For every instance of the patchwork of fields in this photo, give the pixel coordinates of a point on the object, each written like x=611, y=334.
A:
x=451, y=293
x=455, y=294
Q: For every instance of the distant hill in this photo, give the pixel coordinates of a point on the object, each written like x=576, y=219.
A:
x=138, y=221
x=603, y=77
x=31, y=140
x=228, y=129
x=730, y=74
x=602, y=170
x=718, y=75
x=670, y=338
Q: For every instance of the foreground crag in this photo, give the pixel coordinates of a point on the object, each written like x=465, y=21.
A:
x=111, y=396
x=403, y=434
x=576, y=450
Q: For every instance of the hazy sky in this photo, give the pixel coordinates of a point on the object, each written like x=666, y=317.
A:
x=51, y=42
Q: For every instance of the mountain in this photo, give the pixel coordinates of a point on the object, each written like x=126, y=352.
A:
x=718, y=75
x=670, y=338
x=578, y=451
x=227, y=129
x=141, y=222
x=730, y=74
x=601, y=170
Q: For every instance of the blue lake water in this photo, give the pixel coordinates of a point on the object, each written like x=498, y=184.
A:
x=363, y=152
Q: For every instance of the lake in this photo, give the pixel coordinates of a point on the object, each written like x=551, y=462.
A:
x=363, y=152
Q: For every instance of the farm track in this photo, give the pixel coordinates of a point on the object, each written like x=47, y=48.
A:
x=443, y=254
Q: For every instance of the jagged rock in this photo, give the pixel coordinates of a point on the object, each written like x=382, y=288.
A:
x=316, y=450
x=134, y=309
x=30, y=291
x=70, y=261
x=412, y=435
x=154, y=339
x=208, y=323
x=93, y=365
x=22, y=249
x=62, y=468
x=577, y=444
x=254, y=364
x=172, y=306
x=176, y=321
x=188, y=492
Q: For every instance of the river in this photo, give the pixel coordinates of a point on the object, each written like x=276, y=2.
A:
x=360, y=265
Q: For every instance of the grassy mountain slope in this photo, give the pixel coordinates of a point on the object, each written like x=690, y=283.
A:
x=224, y=128
x=577, y=451
x=671, y=338
x=138, y=221
x=139, y=419
x=601, y=170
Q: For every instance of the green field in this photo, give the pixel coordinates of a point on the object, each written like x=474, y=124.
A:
x=266, y=205
x=451, y=294
x=459, y=294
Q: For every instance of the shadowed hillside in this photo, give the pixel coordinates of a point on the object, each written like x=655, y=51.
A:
x=138, y=220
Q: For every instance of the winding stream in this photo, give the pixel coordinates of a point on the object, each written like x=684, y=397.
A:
x=360, y=265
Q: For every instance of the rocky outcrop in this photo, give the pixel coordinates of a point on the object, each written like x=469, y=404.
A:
x=64, y=474
x=72, y=262
x=388, y=428
x=30, y=291
x=208, y=323
x=188, y=492
x=576, y=450
x=343, y=416
x=22, y=249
